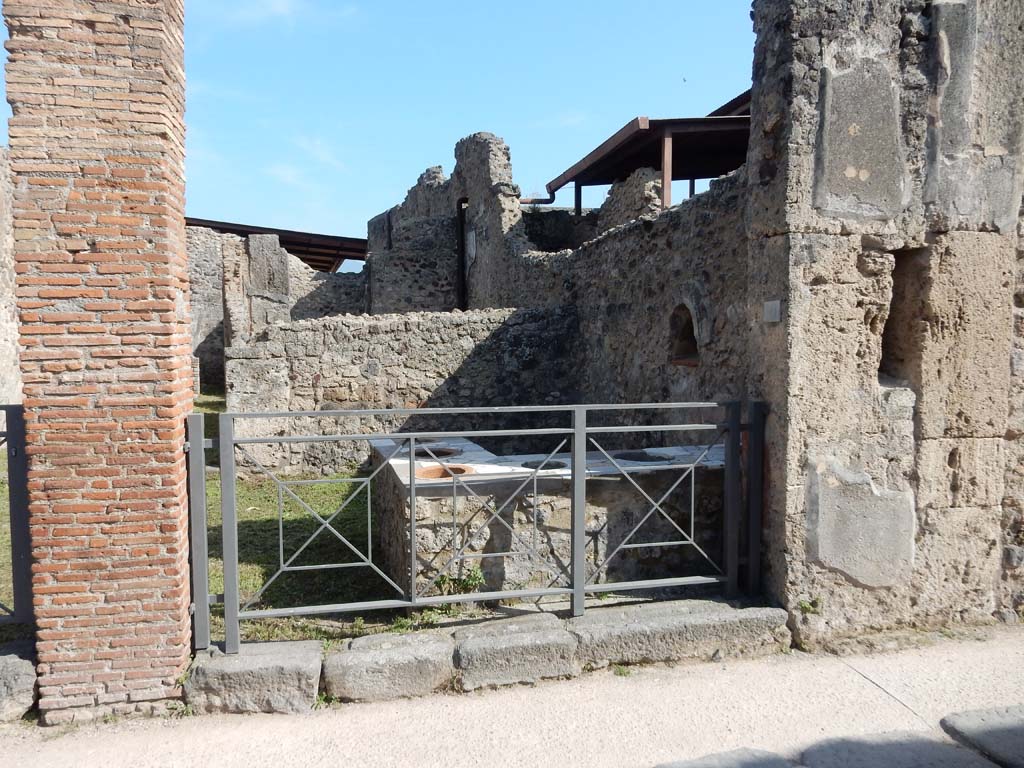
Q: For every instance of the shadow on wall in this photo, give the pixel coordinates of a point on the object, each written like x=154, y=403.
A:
x=528, y=361
x=1003, y=745
x=210, y=352
x=325, y=294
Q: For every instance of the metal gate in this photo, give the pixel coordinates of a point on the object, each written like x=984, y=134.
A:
x=427, y=481
x=12, y=438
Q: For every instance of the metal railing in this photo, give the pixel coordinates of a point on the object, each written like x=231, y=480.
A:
x=12, y=437
x=488, y=499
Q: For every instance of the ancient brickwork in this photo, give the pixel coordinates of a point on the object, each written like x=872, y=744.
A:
x=97, y=152
x=10, y=375
x=867, y=150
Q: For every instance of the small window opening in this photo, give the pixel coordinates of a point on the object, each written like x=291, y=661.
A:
x=901, y=335
x=684, y=338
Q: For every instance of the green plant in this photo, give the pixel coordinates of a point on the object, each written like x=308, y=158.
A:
x=621, y=671
x=810, y=608
x=469, y=582
x=323, y=700
x=402, y=624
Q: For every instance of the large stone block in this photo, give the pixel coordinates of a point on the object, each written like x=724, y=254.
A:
x=860, y=169
x=264, y=677
x=997, y=733
x=968, y=310
x=691, y=630
x=382, y=667
x=959, y=551
x=853, y=527
x=520, y=650
x=892, y=750
x=17, y=681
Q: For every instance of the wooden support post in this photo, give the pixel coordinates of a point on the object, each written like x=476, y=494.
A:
x=666, y=170
x=579, y=199
x=693, y=187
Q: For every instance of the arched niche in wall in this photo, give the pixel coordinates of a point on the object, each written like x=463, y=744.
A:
x=684, y=349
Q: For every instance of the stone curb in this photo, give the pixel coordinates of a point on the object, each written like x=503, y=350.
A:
x=285, y=677
x=382, y=667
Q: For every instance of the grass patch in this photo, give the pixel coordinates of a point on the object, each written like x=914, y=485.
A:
x=274, y=527
x=621, y=671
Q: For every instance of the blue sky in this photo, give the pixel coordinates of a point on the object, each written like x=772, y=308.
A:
x=318, y=114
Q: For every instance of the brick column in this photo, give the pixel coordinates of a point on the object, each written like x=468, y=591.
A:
x=97, y=151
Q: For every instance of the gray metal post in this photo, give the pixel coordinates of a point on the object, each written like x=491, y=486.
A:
x=579, y=509
x=21, y=539
x=755, y=495
x=229, y=527
x=198, y=553
x=413, y=563
x=733, y=498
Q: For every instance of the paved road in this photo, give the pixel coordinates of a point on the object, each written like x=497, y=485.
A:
x=656, y=714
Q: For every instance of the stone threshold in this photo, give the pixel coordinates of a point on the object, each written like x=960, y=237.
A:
x=288, y=677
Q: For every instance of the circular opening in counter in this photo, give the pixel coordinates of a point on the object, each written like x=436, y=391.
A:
x=640, y=457
x=541, y=464
x=439, y=453
x=439, y=472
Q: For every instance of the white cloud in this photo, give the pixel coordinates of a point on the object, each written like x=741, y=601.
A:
x=289, y=175
x=320, y=151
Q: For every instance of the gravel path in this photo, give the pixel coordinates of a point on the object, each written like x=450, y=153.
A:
x=655, y=714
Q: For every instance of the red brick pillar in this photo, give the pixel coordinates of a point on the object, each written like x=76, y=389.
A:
x=97, y=151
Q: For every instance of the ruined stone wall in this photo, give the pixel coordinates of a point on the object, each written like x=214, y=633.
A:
x=414, y=249
x=884, y=190
x=314, y=294
x=555, y=229
x=10, y=374
x=626, y=284
x=639, y=195
x=461, y=359
x=264, y=285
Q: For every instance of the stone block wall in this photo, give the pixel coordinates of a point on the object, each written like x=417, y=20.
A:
x=430, y=359
x=10, y=374
x=885, y=188
x=97, y=152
